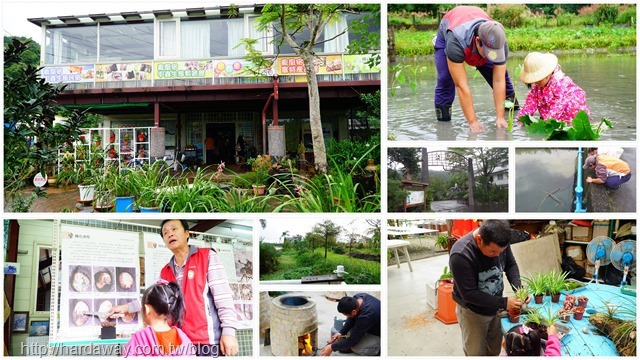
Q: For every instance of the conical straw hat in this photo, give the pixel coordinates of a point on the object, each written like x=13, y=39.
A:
x=537, y=66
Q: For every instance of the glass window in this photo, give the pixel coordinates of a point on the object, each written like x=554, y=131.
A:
x=71, y=45
x=372, y=28
x=126, y=42
x=168, y=38
x=303, y=35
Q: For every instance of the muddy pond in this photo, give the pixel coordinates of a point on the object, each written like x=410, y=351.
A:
x=608, y=79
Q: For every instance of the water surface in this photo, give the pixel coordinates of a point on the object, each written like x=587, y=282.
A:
x=608, y=79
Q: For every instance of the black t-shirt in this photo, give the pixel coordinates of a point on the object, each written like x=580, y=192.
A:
x=366, y=322
x=455, y=50
x=478, y=279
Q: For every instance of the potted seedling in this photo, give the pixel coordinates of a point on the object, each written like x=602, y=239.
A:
x=556, y=284
x=126, y=138
x=536, y=320
x=582, y=301
x=567, y=308
x=123, y=189
x=98, y=139
x=537, y=286
x=521, y=294
x=578, y=312
x=150, y=182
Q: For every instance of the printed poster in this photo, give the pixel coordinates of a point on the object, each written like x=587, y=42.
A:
x=190, y=69
x=68, y=74
x=100, y=269
x=124, y=72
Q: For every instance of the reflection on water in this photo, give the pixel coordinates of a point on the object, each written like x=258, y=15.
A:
x=608, y=79
x=545, y=179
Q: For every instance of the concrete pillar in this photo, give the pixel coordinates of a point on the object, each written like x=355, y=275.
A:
x=156, y=143
x=277, y=144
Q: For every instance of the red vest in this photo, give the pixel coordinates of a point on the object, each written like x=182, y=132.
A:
x=462, y=22
x=197, y=323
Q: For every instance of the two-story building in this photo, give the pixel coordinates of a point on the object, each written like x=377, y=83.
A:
x=185, y=71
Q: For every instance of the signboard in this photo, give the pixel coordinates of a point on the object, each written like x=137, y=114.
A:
x=124, y=72
x=358, y=64
x=190, y=69
x=68, y=74
x=324, y=65
x=100, y=269
x=415, y=197
x=39, y=180
x=11, y=268
x=236, y=68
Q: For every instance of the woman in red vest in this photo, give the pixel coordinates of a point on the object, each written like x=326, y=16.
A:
x=209, y=319
x=468, y=35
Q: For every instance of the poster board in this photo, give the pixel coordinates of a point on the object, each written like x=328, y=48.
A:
x=100, y=268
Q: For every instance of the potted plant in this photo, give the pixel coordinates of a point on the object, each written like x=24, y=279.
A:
x=582, y=301
x=150, y=182
x=555, y=284
x=261, y=166
x=521, y=294
x=98, y=139
x=141, y=136
x=113, y=154
x=123, y=190
x=112, y=137
x=126, y=138
x=104, y=199
x=578, y=312
x=537, y=285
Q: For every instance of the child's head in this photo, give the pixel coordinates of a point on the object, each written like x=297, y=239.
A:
x=521, y=340
x=165, y=300
x=538, y=68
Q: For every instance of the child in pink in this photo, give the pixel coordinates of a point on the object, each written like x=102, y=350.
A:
x=162, y=312
x=522, y=340
x=553, y=94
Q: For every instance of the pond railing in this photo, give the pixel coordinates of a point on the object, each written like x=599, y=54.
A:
x=579, y=189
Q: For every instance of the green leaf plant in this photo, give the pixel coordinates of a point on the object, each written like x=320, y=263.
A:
x=581, y=128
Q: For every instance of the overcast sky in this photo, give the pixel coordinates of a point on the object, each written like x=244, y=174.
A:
x=301, y=226
x=16, y=13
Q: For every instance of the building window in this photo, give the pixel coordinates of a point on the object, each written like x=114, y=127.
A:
x=373, y=27
x=126, y=42
x=168, y=36
x=500, y=177
x=71, y=45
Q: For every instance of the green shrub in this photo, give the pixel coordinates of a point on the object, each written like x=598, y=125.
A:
x=627, y=16
x=298, y=273
x=510, y=16
x=395, y=195
x=339, y=249
x=244, y=180
x=268, y=258
x=606, y=13
x=308, y=257
x=348, y=153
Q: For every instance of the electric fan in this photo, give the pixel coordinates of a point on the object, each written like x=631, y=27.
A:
x=599, y=253
x=623, y=257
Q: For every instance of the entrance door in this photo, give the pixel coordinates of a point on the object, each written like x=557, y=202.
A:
x=220, y=143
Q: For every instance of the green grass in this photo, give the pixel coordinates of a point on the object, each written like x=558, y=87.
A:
x=418, y=43
x=360, y=271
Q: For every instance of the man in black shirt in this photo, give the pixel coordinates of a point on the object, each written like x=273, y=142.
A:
x=478, y=261
x=362, y=327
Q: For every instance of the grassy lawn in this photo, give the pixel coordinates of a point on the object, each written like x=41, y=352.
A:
x=360, y=271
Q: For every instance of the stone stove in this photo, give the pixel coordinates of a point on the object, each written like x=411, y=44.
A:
x=294, y=326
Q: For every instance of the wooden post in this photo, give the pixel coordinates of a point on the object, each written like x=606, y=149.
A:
x=391, y=44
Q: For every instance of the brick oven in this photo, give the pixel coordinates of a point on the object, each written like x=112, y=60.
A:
x=294, y=326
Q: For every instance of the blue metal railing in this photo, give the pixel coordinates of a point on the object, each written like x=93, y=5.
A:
x=579, y=189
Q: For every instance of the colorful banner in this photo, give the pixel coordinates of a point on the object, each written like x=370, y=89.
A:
x=324, y=65
x=68, y=74
x=235, y=68
x=190, y=69
x=356, y=64
x=123, y=72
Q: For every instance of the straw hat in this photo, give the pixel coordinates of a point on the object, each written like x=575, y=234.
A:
x=537, y=66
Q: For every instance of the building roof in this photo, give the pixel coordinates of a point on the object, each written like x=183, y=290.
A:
x=140, y=16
